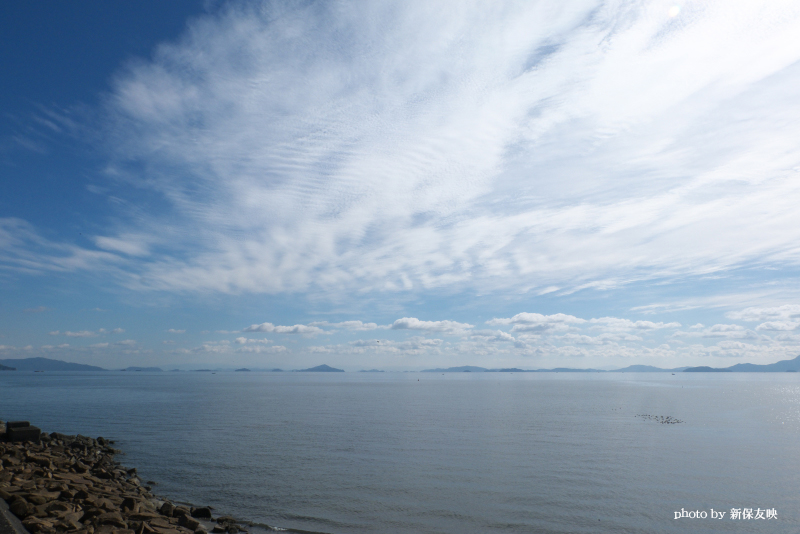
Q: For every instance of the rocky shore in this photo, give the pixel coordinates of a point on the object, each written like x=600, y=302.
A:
x=72, y=484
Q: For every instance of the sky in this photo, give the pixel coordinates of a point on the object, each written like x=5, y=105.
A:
x=400, y=185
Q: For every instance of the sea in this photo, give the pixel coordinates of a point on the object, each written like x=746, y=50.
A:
x=446, y=453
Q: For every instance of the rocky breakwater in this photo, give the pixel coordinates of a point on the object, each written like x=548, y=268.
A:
x=72, y=484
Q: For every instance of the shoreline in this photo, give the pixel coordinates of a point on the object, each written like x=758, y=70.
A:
x=60, y=483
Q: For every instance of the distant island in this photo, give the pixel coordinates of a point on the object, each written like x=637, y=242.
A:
x=787, y=366
x=473, y=369
x=321, y=369
x=46, y=364
x=783, y=366
x=705, y=369
x=243, y=370
x=647, y=369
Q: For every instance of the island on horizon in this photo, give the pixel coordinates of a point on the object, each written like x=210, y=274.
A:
x=789, y=366
x=320, y=369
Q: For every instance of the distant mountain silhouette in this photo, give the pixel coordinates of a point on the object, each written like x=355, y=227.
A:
x=321, y=369
x=474, y=369
x=793, y=365
x=46, y=364
x=782, y=366
x=705, y=369
x=570, y=370
x=462, y=369
x=777, y=367
x=243, y=369
x=646, y=369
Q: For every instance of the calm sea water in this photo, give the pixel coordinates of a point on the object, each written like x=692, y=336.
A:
x=455, y=453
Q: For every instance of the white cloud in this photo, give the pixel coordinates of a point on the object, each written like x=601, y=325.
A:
x=86, y=333
x=732, y=331
x=430, y=147
x=413, y=346
x=447, y=327
x=263, y=350
x=492, y=336
x=25, y=251
x=126, y=343
x=778, y=326
x=536, y=322
x=602, y=339
x=277, y=329
x=618, y=324
x=213, y=349
x=174, y=331
x=243, y=340
x=82, y=333
x=370, y=343
x=721, y=328
x=130, y=245
x=353, y=326
x=763, y=314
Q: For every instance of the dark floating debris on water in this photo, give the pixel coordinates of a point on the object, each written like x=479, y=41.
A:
x=663, y=419
x=55, y=483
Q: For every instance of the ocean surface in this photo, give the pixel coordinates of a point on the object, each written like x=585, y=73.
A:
x=453, y=453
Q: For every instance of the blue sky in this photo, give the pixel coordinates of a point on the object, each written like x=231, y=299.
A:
x=400, y=185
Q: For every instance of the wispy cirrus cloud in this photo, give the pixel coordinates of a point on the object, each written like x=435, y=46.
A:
x=429, y=147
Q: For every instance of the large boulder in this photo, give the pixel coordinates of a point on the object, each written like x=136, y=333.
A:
x=22, y=433
x=21, y=508
x=203, y=512
x=189, y=522
x=113, y=519
x=167, y=509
